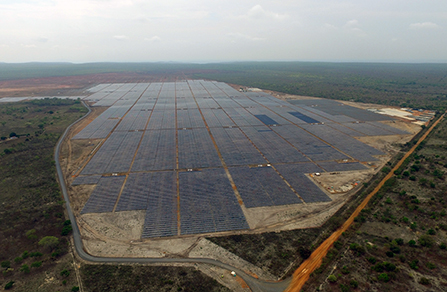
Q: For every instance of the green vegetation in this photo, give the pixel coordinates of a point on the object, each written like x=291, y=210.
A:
x=405, y=85
x=30, y=213
x=388, y=260
x=263, y=249
x=141, y=278
x=33, y=244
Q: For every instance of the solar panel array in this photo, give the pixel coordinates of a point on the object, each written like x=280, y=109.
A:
x=171, y=148
x=262, y=186
x=208, y=204
x=104, y=196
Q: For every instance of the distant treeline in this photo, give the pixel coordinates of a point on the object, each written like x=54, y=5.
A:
x=404, y=85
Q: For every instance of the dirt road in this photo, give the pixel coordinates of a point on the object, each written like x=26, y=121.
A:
x=301, y=275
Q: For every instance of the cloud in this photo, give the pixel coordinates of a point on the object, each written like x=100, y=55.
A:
x=424, y=25
x=353, y=26
x=42, y=39
x=352, y=23
x=120, y=37
x=257, y=12
x=237, y=35
x=329, y=26
x=153, y=39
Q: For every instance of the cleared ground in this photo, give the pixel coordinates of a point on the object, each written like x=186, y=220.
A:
x=308, y=139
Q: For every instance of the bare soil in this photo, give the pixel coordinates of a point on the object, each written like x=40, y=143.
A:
x=118, y=233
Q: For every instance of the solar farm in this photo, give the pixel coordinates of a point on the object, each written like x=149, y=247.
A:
x=196, y=156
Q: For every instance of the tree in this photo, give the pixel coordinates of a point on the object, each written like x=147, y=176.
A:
x=49, y=242
x=6, y=264
x=12, y=134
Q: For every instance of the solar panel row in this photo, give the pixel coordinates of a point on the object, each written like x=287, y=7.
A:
x=104, y=196
x=157, y=151
x=261, y=187
x=235, y=148
x=86, y=180
x=196, y=149
x=208, y=204
x=236, y=121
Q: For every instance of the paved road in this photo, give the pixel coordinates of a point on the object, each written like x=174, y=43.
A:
x=255, y=285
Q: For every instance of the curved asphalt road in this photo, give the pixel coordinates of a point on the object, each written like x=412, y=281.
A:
x=255, y=285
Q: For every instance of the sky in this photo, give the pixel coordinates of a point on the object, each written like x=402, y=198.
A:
x=82, y=31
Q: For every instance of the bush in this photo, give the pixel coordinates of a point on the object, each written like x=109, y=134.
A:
x=431, y=266
x=31, y=234
x=9, y=285
x=372, y=260
x=414, y=264
x=36, y=264
x=412, y=243
x=399, y=241
x=389, y=266
x=344, y=288
x=35, y=254
x=75, y=289
x=66, y=230
x=49, y=242
x=18, y=260
x=426, y=240
x=431, y=231
x=383, y=277
x=354, y=284
x=442, y=246
x=390, y=254
x=357, y=249
x=25, y=254
x=304, y=252
x=395, y=249
x=5, y=264
x=332, y=278
x=345, y=270
x=424, y=281
x=24, y=269
x=65, y=273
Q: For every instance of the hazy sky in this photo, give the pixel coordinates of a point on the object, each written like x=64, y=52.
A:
x=223, y=30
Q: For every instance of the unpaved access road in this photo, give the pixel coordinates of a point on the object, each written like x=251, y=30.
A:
x=301, y=275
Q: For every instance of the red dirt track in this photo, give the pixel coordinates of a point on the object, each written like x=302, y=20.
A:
x=301, y=275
